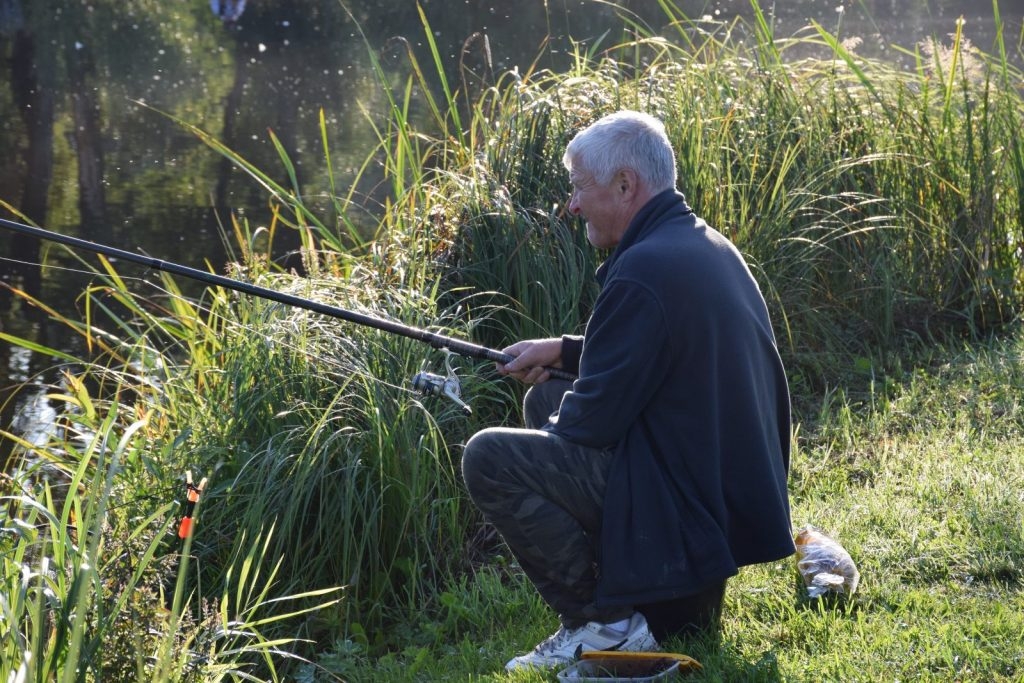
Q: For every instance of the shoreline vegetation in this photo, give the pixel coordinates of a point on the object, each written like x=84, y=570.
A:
x=881, y=210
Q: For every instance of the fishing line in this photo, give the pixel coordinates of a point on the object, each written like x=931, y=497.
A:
x=333, y=364
x=49, y=266
x=438, y=341
x=295, y=324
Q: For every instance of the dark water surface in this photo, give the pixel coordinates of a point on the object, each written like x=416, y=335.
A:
x=84, y=156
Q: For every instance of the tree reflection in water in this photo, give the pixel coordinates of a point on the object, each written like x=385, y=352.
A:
x=227, y=10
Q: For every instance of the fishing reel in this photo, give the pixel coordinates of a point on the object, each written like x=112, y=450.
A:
x=429, y=384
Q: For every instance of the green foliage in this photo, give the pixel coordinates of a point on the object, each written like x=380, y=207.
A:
x=880, y=211
x=919, y=478
x=878, y=207
x=87, y=560
x=305, y=429
x=515, y=259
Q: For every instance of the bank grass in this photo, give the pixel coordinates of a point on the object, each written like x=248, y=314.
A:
x=920, y=481
x=880, y=210
x=878, y=206
x=95, y=582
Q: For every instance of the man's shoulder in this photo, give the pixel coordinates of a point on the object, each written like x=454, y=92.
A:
x=668, y=245
x=674, y=259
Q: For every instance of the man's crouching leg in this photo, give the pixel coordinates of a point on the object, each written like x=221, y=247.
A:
x=544, y=495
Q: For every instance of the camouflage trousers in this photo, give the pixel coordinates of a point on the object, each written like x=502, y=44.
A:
x=544, y=495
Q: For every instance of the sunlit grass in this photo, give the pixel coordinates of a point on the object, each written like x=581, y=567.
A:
x=93, y=579
x=880, y=211
x=919, y=481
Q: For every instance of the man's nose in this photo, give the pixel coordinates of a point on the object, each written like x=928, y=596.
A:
x=574, y=206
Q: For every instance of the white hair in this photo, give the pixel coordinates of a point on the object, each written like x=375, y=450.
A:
x=625, y=139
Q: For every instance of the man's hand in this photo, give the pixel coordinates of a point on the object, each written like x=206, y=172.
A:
x=531, y=358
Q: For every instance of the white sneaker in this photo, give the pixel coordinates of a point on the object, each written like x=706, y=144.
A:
x=566, y=645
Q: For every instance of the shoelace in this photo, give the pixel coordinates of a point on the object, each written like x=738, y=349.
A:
x=555, y=641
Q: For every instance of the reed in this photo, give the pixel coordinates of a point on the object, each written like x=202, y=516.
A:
x=879, y=209
x=89, y=560
x=320, y=432
x=876, y=207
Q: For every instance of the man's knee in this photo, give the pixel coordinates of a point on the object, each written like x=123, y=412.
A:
x=542, y=400
x=479, y=459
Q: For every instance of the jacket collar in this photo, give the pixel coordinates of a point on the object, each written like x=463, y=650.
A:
x=659, y=208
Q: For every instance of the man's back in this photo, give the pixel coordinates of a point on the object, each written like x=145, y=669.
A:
x=680, y=370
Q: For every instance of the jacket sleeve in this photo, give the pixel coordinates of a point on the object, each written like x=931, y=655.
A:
x=625, y=352
x=572, y=348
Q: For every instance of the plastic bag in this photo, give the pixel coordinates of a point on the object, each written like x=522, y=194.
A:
x=824, y=564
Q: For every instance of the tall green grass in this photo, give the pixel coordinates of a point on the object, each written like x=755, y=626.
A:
x=95, y=584
x=879, y=207
x=880, y=210
x=919, y=478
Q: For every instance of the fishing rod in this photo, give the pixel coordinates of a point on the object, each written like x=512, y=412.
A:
x=425, y=382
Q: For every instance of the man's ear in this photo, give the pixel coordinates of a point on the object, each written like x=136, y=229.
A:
x=626, y=183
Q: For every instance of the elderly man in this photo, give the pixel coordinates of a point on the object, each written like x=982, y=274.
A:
x=635, y=492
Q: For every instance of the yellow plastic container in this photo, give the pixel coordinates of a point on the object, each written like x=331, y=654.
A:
x=622, y=667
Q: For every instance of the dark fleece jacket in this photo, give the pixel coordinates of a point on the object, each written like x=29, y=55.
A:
x=680, y=373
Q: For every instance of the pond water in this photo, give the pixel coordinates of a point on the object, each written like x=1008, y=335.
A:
x=89, y=89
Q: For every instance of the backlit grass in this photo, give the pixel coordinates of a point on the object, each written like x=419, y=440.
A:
x=880, y=210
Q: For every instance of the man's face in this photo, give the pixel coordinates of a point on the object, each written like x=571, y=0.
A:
x=602, y=206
